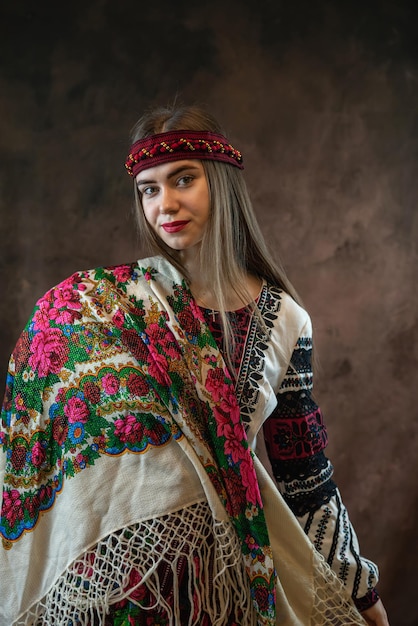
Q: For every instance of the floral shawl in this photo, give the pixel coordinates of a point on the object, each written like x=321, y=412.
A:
x=119, y=409
x=114, y=365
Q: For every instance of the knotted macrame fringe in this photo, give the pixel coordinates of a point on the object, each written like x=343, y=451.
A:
x=332, y=604
x=98, y=579
x=217, y=584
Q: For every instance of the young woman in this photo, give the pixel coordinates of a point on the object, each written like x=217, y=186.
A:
x=163, y=455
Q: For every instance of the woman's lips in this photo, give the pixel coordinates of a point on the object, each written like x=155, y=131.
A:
x=174, y=227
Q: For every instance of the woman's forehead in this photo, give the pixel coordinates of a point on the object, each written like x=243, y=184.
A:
x=166, y=170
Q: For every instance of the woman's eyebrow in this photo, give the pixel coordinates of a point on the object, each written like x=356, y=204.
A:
x=173, y=173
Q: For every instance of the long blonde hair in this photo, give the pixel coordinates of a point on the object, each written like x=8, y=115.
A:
x=233, y=245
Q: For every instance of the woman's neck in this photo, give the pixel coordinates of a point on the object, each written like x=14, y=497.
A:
x=206, y=297
x=204, y=290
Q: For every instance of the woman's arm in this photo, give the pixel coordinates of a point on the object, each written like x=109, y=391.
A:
x=295, y=439
x=376, y=615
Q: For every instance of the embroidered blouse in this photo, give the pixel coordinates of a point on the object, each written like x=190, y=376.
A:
x=295, y=436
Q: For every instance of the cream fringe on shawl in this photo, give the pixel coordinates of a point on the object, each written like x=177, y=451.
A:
x=308, y=591
x=96, y=580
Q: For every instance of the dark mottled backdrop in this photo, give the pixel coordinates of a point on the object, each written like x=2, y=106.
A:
x=322, y=99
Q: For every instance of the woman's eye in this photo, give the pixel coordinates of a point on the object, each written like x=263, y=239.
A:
x=148, y=191
x=185, y=180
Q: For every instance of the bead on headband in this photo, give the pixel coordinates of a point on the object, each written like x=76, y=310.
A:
x=180, y=144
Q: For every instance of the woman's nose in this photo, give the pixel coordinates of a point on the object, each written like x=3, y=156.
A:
x=168, y=200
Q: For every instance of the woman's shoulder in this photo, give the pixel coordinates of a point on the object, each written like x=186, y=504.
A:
x=119, y=274
x=292, y=317
x=126, y=280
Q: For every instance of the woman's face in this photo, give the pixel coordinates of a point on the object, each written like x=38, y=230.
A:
x=176, y=203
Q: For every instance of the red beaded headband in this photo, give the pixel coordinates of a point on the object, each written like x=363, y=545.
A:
x=177, y=144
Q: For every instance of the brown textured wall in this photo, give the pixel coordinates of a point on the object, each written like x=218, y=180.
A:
x=322, y=99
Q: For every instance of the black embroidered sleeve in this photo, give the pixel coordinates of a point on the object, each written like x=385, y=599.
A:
x=305, y=484
x=296, y=438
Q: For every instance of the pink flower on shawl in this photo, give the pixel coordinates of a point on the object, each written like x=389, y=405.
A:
x=66, y=296
x=249, y=480
x=148, y=273
x=158, y=366
x=44, y=315
x=20, y=402
x=12, y=506
x=49, y=351
x=215, y=383
x=110, y=384
x=229, y=403
x=196, y=310
x=128, y=429
x=226, y=409
x=38, y=454
x=223, y=421
x=67, y=316
x=123, y=273
x=118, y=319
x=80, y=462
x=234, y=442
x=76, y=410
x=251, y=543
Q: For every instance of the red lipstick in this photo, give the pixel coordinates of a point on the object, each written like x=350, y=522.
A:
x=174, y=227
